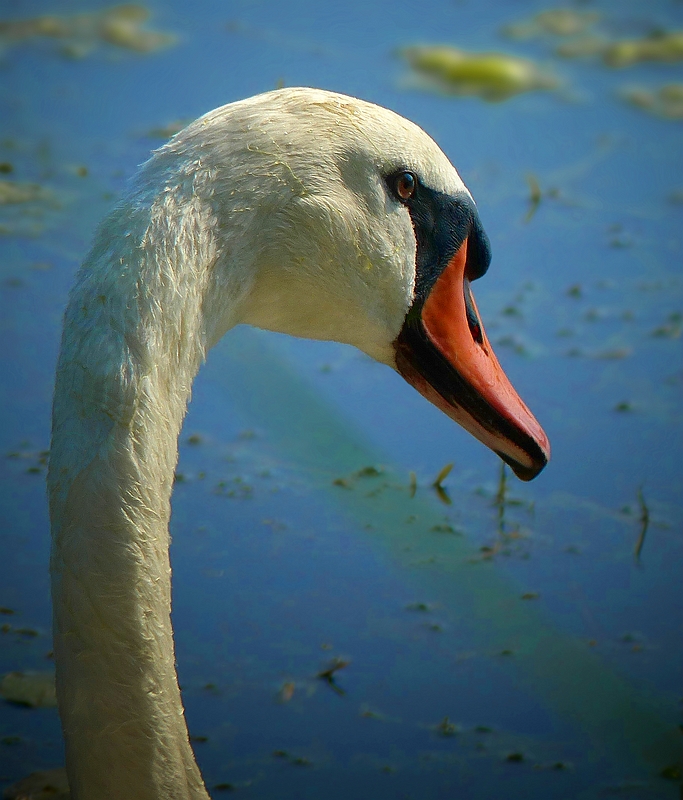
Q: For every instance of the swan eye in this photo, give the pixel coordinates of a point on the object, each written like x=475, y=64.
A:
x=405, y=184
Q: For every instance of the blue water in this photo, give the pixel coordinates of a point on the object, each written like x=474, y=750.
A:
x=276, y=569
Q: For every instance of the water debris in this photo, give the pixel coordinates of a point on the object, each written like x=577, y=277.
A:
x=80, y=34
x=445, y=527
x=24, y=206
x=644, y=521
x=554, y=21
x=168, y=130
x=50, y=784
x=661, y=46
x=535, y=196
x=613, y=354
x=530, y=596
x=368, y=713
x=443, y=474
x=16, y=192
x=665, y=102
x=511, y=311
x=286, y=692
x=29, y=633
x=515, y=343
x=672, y=329
x=33, y=689
x=575, y=291
x=328, y=674
x=573, y=27
x=672, y=773
x=440, y=490
x=579, y=39
x=500, y=500
x=491, y=76
x=422, y=607
x=362, y=473
x=624, y=407
x=443, y=495
x=515, y=757
x=412, y=486
x=369, y=472
x=447, y=728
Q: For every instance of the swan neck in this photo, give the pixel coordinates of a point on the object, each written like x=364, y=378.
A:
x=133, y=340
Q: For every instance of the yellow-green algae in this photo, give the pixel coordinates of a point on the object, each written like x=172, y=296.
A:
x=664, y=47
x=491, y=76
x=79, y=34
x=581, y=41
x=34, y=689
x=16, y=192
x=554, y=21
x=666, y=101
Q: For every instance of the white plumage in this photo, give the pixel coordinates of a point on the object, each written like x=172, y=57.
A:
x=271, y=211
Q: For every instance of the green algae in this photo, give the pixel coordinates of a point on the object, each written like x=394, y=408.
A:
x=490, y=76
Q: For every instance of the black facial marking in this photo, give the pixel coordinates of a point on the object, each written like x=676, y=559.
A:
x=441, y=223
x=472, y=317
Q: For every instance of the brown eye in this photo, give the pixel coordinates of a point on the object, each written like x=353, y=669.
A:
x=405, y=185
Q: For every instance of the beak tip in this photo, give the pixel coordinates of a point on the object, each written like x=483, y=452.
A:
x=523, y=471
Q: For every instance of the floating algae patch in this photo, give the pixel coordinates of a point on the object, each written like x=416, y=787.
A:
x=664, y=47
x=554, y=21
x=23, y=206
x=572, y=26
x=666, y=102
x=33, y=689
x=491, y=76
x=51, y=784
x=661, y=47
x=167, y=130
x=16, y=192
x=580, y=40
x=80, y=34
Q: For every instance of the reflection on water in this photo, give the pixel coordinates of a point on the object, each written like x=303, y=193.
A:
x=517, y=640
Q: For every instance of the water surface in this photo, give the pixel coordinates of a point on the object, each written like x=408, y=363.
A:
x=527, y=623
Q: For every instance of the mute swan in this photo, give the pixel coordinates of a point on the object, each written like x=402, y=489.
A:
x=299, y=211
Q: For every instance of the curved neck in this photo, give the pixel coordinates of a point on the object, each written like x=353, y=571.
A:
x=133, y=341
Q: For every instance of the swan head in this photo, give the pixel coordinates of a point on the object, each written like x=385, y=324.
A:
x=349, y=223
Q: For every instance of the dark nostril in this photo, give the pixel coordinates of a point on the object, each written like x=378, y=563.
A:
x=472, y=318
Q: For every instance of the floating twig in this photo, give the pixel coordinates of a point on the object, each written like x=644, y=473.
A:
x=438, y=484
x=443, y=474
x=327, y=675
x=500, y=500
x=534, y=196
x=644, y=524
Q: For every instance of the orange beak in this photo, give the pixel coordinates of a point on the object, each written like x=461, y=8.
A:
x=443, y=351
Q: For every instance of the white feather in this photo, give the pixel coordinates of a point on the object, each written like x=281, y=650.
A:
x=271, y=211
